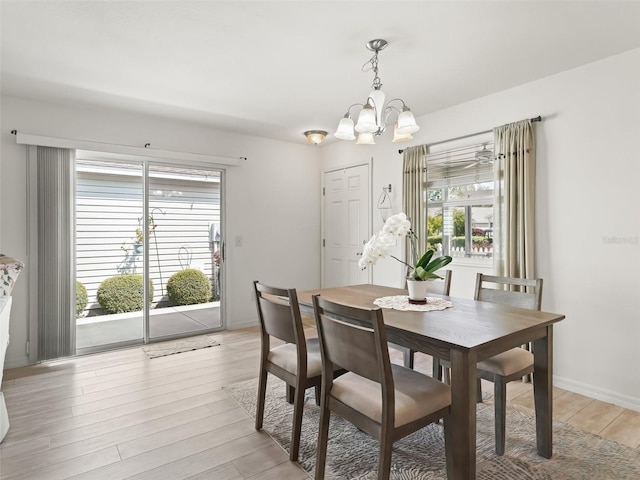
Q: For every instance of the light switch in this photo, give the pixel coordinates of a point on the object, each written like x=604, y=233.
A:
x=238, y=241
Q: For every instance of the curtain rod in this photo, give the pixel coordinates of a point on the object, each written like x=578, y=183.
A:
x=535, y=119
x=147, y=150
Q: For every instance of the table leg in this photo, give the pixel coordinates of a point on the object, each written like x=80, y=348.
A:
x=462, y=465
x=543, y=392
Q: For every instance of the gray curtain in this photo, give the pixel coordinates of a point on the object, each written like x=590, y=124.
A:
x=414, y=184
x=515, y=199
x=56, y=266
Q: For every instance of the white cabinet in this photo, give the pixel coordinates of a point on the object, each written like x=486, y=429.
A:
x=5, y=311
x=9, y=270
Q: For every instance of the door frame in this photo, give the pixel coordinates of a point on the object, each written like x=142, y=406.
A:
x=369, y=165
x=147, y=339
x=31, y=347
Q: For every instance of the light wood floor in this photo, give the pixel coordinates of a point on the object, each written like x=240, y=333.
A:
x=120, y=415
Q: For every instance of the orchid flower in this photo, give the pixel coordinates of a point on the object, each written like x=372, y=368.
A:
x=379, y=246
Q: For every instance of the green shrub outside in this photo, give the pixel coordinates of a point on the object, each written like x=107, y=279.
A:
x=123, y=293
x=81, y=298
x=476, y=240
x=434, y=239
x=189, y=287
x=457, y=242
x=481, y=241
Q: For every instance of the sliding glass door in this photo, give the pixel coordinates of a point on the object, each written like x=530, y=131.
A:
x=184, y=239
x=148, y=242
x=109, y=267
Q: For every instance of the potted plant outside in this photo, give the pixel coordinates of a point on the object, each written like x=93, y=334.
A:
x=138, y=239
x=138, y=244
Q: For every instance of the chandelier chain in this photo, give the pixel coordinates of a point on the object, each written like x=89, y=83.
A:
x=372, y=66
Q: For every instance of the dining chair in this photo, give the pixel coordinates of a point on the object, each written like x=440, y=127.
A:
x=384, y=400
x=297, y=362
x=441, y=287
x=512, y=364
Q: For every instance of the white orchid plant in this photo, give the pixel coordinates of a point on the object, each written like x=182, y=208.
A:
x=379, y=246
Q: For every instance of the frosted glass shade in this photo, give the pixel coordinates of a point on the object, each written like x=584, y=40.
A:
x=365, y=138
x=406, y=122
x=367, y=120
x=315, y=136
x=345, y=129
x=400, y=137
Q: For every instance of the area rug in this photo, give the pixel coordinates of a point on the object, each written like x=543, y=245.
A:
x=352, y=454
x=162, y=349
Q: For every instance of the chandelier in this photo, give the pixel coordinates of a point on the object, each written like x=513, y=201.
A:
x=373, y=117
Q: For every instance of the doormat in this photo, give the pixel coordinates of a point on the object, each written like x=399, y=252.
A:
x=162, y=349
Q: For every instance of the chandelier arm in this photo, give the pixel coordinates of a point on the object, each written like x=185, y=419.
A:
x=389, y=109
x=348, y=113
x=397, y=100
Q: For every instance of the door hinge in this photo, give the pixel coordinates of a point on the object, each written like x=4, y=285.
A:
x=323, y=242
x=26, y=348
x=323, y=191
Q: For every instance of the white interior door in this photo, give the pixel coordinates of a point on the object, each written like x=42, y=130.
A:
x=347, y=225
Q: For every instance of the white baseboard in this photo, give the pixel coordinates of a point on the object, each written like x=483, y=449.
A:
x=592, y=391
x=16, y=363
x=245, y=324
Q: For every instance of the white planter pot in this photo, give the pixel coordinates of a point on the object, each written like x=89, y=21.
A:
x=417, y=289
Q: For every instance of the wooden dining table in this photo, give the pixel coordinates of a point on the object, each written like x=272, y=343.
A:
x=464, y=334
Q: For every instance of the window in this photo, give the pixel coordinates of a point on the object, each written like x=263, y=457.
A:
x=459, y=198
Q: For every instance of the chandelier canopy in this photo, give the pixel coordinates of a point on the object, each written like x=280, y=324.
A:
x=373, y=117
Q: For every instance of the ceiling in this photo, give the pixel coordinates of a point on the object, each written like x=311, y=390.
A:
x=275, y=69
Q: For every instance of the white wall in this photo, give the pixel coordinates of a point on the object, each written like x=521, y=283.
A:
x=588, y=222
x=272, y=199
x=587, y=212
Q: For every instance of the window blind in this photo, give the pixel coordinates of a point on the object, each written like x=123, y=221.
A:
x=460, y=165
x=56, y=302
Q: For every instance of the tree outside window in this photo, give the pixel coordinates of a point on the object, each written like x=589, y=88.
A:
x=460, y=220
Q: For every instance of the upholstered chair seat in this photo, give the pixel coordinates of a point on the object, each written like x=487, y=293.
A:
x=414, y=398
x=286, y=357
x=507, y=363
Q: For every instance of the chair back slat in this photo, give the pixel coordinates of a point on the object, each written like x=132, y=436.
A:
x=441, y=287
x=278, y=312
x=276, y=319
x=353, y=339
x=339, y=340
x=516, y=292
